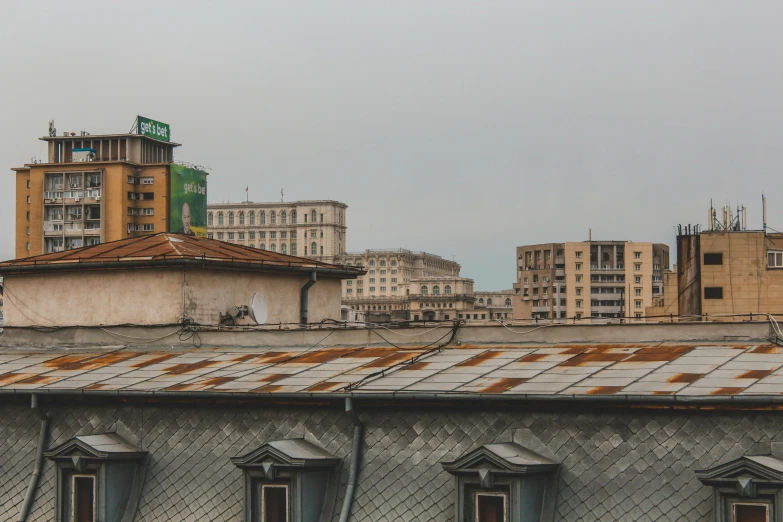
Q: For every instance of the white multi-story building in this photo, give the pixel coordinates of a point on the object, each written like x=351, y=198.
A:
x=298, y=228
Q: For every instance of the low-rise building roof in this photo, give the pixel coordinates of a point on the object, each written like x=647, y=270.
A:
x=167, y=249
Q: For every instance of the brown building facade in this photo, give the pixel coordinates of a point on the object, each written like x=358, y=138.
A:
x=728, y=272
x=91, y=190
x=599, y=280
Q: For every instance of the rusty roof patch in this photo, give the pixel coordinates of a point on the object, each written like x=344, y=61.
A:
x=66, y=360
x=584, y=358
x=605, y=390
x=322, y=356
x=480, y=358
x=370, y=352
x=154, y=360
x=179, y=369
x=659, y=353
x=726, y=391
x=95, y=386
x=245, y=358
x=273, y=377
x=532, y=357
x=100, y=361
x=755, y=374
x=39, y=379
x=274, y=357
x=10, y=378
x=766, y=348
x=503, y=384
x=326, y=386
x=662, y=392
x=687, y=378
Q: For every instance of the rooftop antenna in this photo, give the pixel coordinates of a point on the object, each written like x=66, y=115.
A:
x=281, y=195
x=52, y=130
x=589, y=234
x=764, y=211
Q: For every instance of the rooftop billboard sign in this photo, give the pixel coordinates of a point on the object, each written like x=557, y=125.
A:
x=153, y=129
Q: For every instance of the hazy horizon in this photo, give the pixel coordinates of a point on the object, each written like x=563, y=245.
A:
x=463, y=129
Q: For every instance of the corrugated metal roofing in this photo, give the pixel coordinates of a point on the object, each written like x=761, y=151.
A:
x=164, y=247
x=690, y=369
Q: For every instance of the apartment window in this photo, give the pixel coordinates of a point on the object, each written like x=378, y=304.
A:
x=28, y=246
x=322, y=250
x=262, y=218
x=579, y=303
x=637, y=267
x=313, y=235
x=578, y=279
x=283, y=248
x=252, y=235
x=230, y=218
x=273, y=247
x=313, y=249
x=713, y=292
x=638, y=304
x=637, y=279
x=273, y=218
x=637, y=255
x=28, y=215
x=147, y=181
x=349, y=283
x=252, y=218
x=210, y=219
x=241, y=218
x=293, y=218
x=383, y=289
x=131, y=180
x=372, y=279
x=578, y=255
x=210, y=235
x=578, y=291
x=638, y=316
x=241, y=236
x=146, y=196
x=220, y=236
x=579, y=266
x=283, y=235
x=358, y=281
x=349, y=291
x=394, y=289
x=273, y=235
x=358, y=290
x=262, y=246
x=230, y=236
x=220, y=218
x=424, y=290
x=28, y=183
x=322, y=218
x=383, y=280
x=638, y=291
x=394, y=280
x=393, y=272
x=148, y=227
x=372, y=289
x=322, y=234
x=262, y=235
x=293, y=234
x=774, y=259
x=283, y=218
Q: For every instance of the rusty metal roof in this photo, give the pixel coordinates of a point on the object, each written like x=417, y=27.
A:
x=644, y=369
x=166, y=248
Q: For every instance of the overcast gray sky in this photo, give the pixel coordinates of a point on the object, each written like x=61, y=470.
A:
x=459, y=128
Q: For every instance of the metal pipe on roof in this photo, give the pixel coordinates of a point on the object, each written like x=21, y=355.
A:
x=353, y=474
x=36, y=475
x=303, y=301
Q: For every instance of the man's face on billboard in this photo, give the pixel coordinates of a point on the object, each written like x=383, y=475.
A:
x=186, y=217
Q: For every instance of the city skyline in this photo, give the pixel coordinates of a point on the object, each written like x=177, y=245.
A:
x=464, y=132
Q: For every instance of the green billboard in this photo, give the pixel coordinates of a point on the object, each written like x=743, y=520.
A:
x=188, y=202
x=153, y=129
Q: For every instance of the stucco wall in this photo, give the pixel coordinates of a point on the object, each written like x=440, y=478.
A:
x=210, y=292
x=92, y=298
x=616, y=465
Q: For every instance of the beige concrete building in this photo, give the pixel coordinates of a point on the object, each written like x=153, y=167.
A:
x=495, y=305
x=596, y=280
x=167, y=279
x=729, y=272
x=313, y=229
x=385, y=289
x=92, y=189
x=440, y=298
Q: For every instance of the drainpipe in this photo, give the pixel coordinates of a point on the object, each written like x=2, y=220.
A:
x=358, y=430
x=34, y=478
x=303, y=299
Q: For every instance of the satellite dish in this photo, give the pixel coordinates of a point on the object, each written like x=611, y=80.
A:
x=258, y=308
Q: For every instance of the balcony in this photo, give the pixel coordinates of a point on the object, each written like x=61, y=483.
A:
x=92, y=231
x=540, y=309
x=559, y=260
x=73, y=231
x=559, y=272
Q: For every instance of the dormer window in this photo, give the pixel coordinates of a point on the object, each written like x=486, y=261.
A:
x=99, y=477
x=286, y=481
x=503, y=482
x=747, y=489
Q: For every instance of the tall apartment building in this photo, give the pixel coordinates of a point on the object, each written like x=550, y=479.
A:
x=602, y=280
x=92, y=189
x=728, y=270
x=314, y=229
x=385, y=288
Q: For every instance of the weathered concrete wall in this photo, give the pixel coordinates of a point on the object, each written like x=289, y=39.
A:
x=615, y=464
x=92, y=298
x=689, y=275
x=209, y=292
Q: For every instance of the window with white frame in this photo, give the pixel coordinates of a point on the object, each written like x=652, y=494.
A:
x=774, y=259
